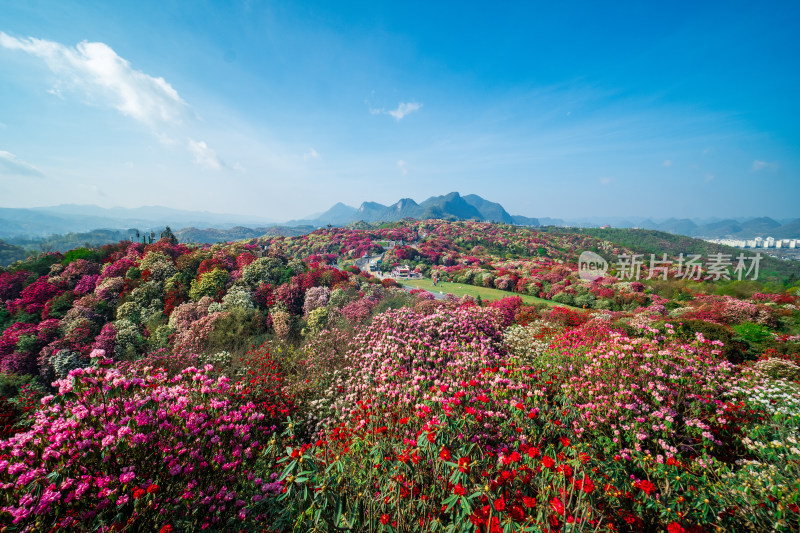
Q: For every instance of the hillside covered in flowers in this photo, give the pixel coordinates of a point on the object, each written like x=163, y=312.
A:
x=272, y=385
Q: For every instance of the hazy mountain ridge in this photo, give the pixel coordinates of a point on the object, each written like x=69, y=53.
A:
x=43, y=221
x=726, y=228
x=18, y=224
x=450, y=206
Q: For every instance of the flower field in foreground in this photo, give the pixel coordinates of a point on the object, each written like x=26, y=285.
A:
x=167, y=388
x=432, y=425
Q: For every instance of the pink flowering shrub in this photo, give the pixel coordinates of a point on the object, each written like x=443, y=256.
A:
x=402, y=354
x=11, y=284
x=109, y=289
x=14, y=358
x=358, y=311
x=137, y=449
x=291, y=295
x=316, y=297
x=34, y=297
x=105, y=339
x=508, y=308
x=118, y=268
x=86, y=284
x=75, y=271
x=422, y=294
x=627, y=394
x=194, y=338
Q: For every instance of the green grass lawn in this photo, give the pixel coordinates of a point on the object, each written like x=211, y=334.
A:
x=486, y=294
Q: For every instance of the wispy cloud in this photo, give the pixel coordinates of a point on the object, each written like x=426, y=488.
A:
x=606, y=181
x=403, y=109
x=709, y=178
x=311, y=154
x=14, y=166
x=205, y=156
x=402, y=166
x=96, y=70
x=763, y=165
x=667, y=163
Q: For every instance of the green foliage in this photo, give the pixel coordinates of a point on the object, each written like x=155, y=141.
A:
x=37, y=266
x=27, y=343
x=582, y=300
x=10, y=253
x=237, y=298
x=672, y=289
x=209, y=284
x=81, y=253
x=64, y=361
x=68, y=241
x=739, y=289
x=131, y=311
x=757, y=338
x=395, y=301
x=5, y=318
x=60, y=305
x=317, y=320
x=648, y=242
x=129, y=342
x=564, y=298
x=133, y=273
x=263, y=270
x=159, y=264
x=10, y=384
x=160, y=336
x=752, y=333
x=734, y=350
x=168, y=235
x=234, y=332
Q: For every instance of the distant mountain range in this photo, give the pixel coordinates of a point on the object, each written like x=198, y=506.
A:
x=456, y=207
x=18, y=224
x=70, y=218
x=723, y=229
x=451, y=206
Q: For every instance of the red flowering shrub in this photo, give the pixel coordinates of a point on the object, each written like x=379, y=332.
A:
x=508, y=308
x=566, y=317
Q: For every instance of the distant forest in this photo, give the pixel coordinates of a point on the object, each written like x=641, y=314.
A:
x=16, y=248
x=647, y=242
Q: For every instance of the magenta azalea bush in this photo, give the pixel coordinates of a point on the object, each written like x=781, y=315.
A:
x=136, y=449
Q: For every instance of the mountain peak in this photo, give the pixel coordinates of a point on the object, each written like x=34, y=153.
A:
x=451, y=206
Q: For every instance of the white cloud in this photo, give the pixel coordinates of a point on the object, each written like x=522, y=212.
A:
x=402, y=166
x=12, y=165
x=104, y=76
x=667, y=163
x=204, y=156
x=311, y=154
x=403, y=109
x=606, y=181
x=709, y=178
x=763, y=165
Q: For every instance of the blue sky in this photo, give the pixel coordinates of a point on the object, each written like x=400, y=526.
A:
x=281, y=109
